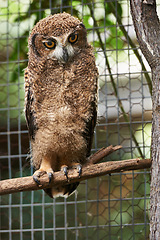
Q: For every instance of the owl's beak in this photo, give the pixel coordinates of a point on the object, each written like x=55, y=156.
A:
x=65, y=54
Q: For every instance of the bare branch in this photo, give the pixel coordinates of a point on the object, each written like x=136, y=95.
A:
x=24, y=184
x=90, y=171
x=103, y=152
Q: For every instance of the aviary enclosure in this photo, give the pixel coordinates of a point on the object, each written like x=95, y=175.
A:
x=114, y=206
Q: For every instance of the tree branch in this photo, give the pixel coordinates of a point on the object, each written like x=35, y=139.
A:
x=103, y=152
x=89, y=170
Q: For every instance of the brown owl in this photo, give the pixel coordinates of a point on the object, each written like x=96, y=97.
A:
x=60, y=97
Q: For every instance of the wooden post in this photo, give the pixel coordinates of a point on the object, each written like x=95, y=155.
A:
x=147, y=28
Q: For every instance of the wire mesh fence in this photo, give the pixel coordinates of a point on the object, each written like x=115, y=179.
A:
x=109, y=207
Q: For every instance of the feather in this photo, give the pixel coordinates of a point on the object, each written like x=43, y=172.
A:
x=29, y=112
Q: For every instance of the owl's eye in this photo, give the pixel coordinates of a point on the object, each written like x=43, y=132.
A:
x=73, y=38
x=50, y=44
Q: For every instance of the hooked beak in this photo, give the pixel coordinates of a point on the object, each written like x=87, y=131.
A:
x=65, y=54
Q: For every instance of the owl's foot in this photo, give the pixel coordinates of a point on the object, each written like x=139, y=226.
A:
x=78, y=166
x=64, y=169
x=40, y=172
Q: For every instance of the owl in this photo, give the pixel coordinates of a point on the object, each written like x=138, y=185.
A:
x=60, y=98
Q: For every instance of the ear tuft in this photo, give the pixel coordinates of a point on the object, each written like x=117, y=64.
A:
x=82, y=25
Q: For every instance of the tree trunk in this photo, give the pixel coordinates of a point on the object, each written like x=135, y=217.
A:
x=147, y=28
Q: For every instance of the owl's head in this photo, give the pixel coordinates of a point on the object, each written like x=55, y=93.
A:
x=58, y=37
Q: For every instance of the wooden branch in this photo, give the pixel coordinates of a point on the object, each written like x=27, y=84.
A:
x=90, y=171
x=103, y=152
x=17, y=185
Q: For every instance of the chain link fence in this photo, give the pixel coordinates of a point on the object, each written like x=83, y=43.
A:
x=110, y=207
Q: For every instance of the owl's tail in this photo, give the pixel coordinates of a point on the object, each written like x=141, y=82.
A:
x=62, y=191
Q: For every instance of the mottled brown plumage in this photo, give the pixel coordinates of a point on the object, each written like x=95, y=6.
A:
x=60, y=96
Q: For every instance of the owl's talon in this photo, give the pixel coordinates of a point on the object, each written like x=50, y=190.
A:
x=40, y=173
x=50, y=176
x=35, y=178
x=65, y=171
x=79, y=169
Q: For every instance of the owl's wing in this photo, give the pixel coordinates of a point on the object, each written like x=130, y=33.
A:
x=89, y=131
x=29, y=111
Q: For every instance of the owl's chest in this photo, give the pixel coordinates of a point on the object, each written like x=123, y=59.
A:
x=65, y=94
x=62, y=98
x=63, y=86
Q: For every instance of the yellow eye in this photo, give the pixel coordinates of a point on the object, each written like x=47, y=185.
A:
x=73, y=38
x=50, y=44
